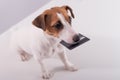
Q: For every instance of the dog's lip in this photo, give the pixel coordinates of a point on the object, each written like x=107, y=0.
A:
x=69, y=44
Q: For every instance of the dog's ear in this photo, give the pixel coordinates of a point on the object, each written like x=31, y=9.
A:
x=70, y=9
x=39, y=21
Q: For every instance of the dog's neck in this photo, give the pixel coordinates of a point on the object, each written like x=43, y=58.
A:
x=52, y=40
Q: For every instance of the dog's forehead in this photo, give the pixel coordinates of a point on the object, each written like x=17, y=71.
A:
x=52, y=13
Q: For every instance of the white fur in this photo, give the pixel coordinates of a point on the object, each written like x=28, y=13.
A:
x=67, y=33
x=32, y=41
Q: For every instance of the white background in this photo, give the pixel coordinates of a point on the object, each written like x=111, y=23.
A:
x=98, y=59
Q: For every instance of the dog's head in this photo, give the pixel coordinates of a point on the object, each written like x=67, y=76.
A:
x=57, y=22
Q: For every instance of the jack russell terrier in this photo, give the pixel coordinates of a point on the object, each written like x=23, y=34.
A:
x=42, y=39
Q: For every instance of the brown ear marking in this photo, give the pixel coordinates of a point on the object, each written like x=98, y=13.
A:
x=39, y=21
x=70, y=9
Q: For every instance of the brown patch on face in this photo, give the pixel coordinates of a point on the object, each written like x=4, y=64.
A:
x=50, y=22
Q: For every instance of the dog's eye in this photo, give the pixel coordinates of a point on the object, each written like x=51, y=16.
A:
x=58, y=25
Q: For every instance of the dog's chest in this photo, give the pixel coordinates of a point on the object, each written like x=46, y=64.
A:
x=49, y=48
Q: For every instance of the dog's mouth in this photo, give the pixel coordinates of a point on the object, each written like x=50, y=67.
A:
x=82, y=39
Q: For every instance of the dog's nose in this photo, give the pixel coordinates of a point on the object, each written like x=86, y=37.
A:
x=76, y=38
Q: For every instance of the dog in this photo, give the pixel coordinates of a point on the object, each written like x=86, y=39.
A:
x=42, y=39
